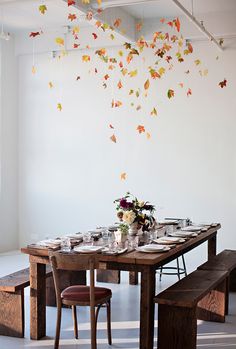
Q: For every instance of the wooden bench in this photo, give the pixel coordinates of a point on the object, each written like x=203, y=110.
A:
x=12, y=318
x=200, y=295
x=225, y=261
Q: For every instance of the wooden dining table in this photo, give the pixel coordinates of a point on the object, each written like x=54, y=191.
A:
x=136, y=261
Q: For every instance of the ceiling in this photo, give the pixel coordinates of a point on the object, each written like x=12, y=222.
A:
x=19, y=15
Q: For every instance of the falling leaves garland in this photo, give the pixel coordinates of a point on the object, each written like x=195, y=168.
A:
x=162, y=45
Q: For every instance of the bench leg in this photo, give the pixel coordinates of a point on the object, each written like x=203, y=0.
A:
x=212, y=306
x=12, y=319
x=177, y=327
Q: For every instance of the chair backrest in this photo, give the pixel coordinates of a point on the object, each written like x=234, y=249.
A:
x=65, y=261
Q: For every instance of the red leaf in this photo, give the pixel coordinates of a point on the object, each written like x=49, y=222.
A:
x=223, y=83
x=70, y=2
x=94, y=36
x=33, y=34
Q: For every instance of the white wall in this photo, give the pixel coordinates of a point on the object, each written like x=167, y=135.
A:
x=69, y=169
x=9, y=152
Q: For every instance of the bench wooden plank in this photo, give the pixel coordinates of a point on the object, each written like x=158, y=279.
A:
x=225, y=260
x=18, y=280
x=190, y=290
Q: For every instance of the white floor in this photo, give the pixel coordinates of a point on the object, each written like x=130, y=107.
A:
x=125, y=315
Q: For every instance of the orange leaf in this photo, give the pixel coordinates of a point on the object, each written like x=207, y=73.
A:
x=72, y=16
x=170, y=93
x=141, y=128
x=147, y=84
x=177, y=24
x=113, y=138
x=106, y=77
x=123, y=176
x=117, y=22
x=119, y=85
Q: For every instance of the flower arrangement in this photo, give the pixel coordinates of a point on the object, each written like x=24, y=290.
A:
x=131, y=210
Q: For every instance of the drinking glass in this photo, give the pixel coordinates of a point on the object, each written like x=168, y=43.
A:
x=169, y=229
x=65, y=244
x=87, y=237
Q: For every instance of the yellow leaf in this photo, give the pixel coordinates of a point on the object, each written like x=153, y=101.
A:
x=86, y=58
x=85, y=1
x=148, y=135
x=120, y=53
x=59, y=106
x=59, y=41
x=133, y=73
x=147, y=84
x=42, y=9
x=197, y=61
x=33, y=70
x=75, y=29
x=124, y=71
x=99, y=2
x=161, y=71
x=123, y=176
x=113, y=138
x=154, y=112
x=50, y=84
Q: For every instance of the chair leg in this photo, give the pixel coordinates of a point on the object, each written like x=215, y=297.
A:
x=178, y=272
x=160, y=275
x=109, y=322
x=184, y=265
x=75, y=321
x=58, y=327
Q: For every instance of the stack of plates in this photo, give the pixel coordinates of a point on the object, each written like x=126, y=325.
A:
x=169, y=240
x=153, y=248
x=192, y=228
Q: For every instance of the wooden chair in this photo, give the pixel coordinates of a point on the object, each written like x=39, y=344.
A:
x=79, y=295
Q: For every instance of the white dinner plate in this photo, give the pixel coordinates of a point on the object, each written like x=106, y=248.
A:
x=183, y=234
x=153, y=248
x=88, y=249
x=168, y=240
x=192, y=228
x=166, y=222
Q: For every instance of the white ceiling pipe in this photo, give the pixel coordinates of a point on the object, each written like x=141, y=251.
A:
x=119, y=3
x=199, y=25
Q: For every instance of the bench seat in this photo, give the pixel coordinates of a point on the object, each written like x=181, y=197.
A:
x=200, y=295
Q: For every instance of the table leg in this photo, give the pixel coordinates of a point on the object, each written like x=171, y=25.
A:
x=147, y=308
x=212, y=247
x=37, y=300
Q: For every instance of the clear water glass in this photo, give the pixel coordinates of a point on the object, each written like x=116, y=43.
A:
x=169, y=229
x=65, y=244
x=87, y=237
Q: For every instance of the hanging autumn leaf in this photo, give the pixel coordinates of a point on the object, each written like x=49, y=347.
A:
x=170, y=93
x=72, y=16
x=89, y=15
x=147, y=84
x=162, y=20
x=85, y=1
x=119, y=85
x=189, y=92
x=117, y=22
x=34, y=34
x=42, y=9
x=223, y=83
x=141, y=129
x=59, y=41
x=111, y=126
x=197, y=61
x=131, y=92
x=76, y=45
x=94, y=36
x=133, y=73
x=123, y=176
x=70, y=2
x=116, y=104
x=203, y=72
x=148, y=135
x=33, y=70
x=176, y=22
x=112, y=36
x=113, y=138
x=127, y=45
x=59, y=106
x=139, y=26
x=181, y=84
x=50, y=84
x=154, y=112
x=99, y=2
x=86, y=58
x=187, y=71
x=106, y=77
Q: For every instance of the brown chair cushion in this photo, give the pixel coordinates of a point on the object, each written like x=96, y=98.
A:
x=81, y=293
